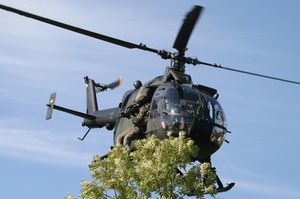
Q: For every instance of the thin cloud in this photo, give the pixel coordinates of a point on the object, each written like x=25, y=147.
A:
x=259, y=184
x=42, y=147
x=270, y=189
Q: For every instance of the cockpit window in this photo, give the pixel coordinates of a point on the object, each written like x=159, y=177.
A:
x=210, y=110
x=157, y=101
x=157, y=96
x=172, y=101
x=172, y=96
x=159, y=93
x=216, y=112
x=218, y=120
x=189, y=94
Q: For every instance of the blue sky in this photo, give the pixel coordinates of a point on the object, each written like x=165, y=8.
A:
x=44, y=159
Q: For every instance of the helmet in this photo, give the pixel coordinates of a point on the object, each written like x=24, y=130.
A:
x=137, y=84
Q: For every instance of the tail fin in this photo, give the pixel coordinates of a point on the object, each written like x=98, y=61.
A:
x=93, y=88
x=50, y=106
x=91, y=100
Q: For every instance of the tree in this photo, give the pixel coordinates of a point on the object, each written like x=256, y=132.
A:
x=157, y=168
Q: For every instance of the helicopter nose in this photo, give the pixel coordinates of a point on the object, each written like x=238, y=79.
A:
x=177, y=126
x=176, y=123
x=173, y=128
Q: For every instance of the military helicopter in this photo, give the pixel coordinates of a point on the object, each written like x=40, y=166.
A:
x=176, y=103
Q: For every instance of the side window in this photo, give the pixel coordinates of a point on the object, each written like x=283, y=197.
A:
x=157, y=97
x=154, y=104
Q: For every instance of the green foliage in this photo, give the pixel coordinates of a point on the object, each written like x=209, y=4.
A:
x=151, y=170
x=69, y=196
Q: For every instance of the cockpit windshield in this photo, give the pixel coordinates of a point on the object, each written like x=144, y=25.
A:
x=188, y=93
x=183, y=100
x=182, y=105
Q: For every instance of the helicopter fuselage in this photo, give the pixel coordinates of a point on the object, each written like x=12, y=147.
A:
x=178, y=107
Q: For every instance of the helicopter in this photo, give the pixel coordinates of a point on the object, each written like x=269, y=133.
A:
x=176, y=102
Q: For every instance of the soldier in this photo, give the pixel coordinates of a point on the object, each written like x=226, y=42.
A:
x=138, y=111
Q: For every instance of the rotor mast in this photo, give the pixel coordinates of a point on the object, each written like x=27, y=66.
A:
x=183, y=36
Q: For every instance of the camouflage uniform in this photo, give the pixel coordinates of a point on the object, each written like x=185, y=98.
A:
x=138, y=111
x=139, y=121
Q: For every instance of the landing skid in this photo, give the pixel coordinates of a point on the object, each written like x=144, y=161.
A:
x=221, y=187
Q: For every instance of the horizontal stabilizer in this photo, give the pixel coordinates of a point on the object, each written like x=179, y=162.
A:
x=70, y=111
x=52, y=106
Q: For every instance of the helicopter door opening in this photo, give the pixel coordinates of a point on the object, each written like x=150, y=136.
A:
x=217, y=116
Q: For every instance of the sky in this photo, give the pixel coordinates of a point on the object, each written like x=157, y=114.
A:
x=44, y=159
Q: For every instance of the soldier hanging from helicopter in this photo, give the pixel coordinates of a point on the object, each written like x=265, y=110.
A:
x=138, y=112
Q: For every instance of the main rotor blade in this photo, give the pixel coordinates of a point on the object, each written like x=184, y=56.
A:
x=79, y=30
x=250, y=73
x=186, y=29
